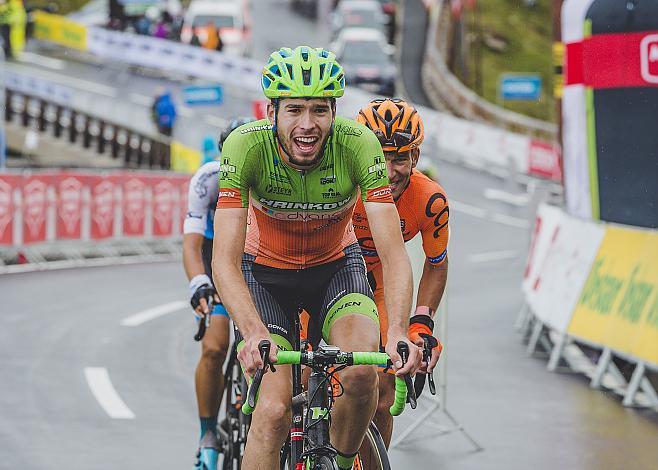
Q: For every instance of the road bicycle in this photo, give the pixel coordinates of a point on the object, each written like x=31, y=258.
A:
x=307, y=446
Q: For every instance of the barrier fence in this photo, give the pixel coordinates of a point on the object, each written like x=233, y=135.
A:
x=598, y=284
x=40, y=207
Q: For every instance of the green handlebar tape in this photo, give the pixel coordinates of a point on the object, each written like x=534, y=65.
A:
x=288, y=357
x=370, y=358
x=246, y=409
x=400, y=397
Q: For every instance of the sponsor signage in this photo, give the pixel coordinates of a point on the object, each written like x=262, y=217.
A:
x=69, y=207
x=203, y=95
x=8, y=183
x=520, y=87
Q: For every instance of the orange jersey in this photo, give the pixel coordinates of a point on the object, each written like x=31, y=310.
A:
x=423, y=207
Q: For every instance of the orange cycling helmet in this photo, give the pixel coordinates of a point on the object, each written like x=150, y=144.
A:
x=395, y=122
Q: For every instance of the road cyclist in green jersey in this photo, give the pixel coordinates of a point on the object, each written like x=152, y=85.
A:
x=284, y=241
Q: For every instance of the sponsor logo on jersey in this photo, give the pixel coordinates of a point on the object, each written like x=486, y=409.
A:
x=348, y=130
x=278, y=190
x=279, y=178
x=264, y=127
x=377, y=167
x=327, y=180
x=227, y=168
x=368, y=253
x=330, y=193
x=329, y=166
x=306, y=206
x=272, y=326
x=227, y=194
x=381, y=192
x=437, y=207
x=438, y=259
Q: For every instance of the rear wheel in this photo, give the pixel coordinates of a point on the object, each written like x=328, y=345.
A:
x=233, y=429
x=373, y=454
x=325, y=463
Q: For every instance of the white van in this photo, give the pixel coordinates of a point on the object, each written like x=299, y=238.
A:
x=230, y=17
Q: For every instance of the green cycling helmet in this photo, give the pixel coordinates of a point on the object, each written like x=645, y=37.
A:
x=304, y=72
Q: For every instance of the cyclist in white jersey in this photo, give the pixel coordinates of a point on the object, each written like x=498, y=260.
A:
x=197, y=256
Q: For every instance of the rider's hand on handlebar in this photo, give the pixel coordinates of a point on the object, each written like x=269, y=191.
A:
x=203, y=292
x=415, y=353
x=420, y=329
x=249, y=355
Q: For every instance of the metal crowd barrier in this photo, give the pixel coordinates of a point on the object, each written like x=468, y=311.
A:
x=135, y=149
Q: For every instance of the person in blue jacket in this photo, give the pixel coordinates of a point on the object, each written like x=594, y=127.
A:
x=164, y=113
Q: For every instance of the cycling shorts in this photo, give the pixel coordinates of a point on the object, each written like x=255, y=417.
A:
x=327, y=292
x=206, y=256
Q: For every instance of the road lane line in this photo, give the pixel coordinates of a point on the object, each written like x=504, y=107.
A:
x=99, y=382
x=468, y=209
x=215, y=120
x=490, y=256
x=155, y=312
x=518, y=200
x=41, y=60
x=511, y=221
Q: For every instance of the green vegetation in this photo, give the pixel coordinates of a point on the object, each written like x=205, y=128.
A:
x=514, y=38
x=61, y=7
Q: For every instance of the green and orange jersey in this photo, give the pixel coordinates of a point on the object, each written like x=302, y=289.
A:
x=301, y=218
x=423, y=208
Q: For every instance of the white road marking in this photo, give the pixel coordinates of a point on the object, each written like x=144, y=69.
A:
x=518, y=200
x=511, y=221
x=155, y=312
x=141, y=100
x=41, y=60
x=99, y=382
x=215, y=120
x=492, y=256
x=468, y=209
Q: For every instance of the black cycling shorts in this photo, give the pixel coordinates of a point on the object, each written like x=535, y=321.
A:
x=326, y=292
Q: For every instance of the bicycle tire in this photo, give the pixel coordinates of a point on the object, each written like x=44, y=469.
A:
x=379, y=454
x=325, y=463
x=237, y=423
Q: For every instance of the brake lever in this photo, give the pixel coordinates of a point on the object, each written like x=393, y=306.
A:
x=403, y=350
x=264, y=348
x=204, y=323
x=427, y=357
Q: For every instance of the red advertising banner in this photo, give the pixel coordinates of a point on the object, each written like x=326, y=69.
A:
x=134, y=205
x=7, y=185
x=163, y=203
x=69, y=188
x=102, y=207
x=259, y=108
x=544, y=160
x=35, y=208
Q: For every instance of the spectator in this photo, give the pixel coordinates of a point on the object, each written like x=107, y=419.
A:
x=17, y=23
x=194, y=41
x=220, y=43
x=212, y=33
x=5, y=28
x=164, y=112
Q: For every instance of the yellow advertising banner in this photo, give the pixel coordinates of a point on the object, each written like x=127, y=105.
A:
x=60, y=30
x=184, y=159
x=618, y=306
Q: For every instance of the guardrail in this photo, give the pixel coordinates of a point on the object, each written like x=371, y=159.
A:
x=596, y=284
x=444, y=87
x=95, y=133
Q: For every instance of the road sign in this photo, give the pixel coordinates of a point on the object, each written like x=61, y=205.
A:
x=203, y=95
x=520, y=87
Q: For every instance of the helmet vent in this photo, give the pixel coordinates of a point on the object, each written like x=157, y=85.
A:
x=306, y=77
x=281, y=86
x=275, y=70
x=305, y=55
x=322, y=71
x=289, y=67
x=334, y=70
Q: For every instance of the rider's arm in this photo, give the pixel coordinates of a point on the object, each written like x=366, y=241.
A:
x=396, y=268
x=431, y=287
x=192, y=261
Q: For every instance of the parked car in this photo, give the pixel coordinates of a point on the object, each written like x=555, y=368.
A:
x=230, y=17
x=359, y=14
x=367, y=59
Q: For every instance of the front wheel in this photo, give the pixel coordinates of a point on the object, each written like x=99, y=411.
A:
x=325, y=463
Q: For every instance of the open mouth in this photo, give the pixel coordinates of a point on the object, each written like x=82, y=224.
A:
x=306, y=144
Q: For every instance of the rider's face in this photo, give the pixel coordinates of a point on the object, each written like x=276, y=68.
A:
x=302, y=127
x=399, y=166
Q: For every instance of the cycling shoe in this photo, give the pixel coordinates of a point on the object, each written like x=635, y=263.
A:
x=208, y=453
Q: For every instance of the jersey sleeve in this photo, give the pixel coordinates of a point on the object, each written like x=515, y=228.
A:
x=202, y=195
x=234, y=173
x=435, y=228
x=370, y=168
